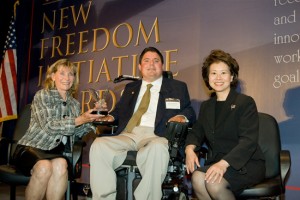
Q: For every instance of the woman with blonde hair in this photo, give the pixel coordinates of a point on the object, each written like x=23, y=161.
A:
x=56, y=122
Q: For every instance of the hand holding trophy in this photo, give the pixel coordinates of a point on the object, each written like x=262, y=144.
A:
x=100, y=103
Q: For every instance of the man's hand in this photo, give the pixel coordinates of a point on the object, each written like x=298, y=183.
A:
x=177, y=118
x=107, y=118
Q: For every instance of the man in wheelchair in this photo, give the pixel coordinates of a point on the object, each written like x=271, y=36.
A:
x=141, y=115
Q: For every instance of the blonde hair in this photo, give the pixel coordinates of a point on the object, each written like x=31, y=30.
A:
x=49, y=83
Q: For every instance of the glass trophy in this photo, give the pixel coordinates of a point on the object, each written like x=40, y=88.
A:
x=100, y=103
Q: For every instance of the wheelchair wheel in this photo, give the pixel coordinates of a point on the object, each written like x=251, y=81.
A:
x=177, y=196
x=182, y=196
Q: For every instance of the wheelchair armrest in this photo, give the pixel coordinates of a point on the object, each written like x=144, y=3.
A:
x=176, y=130
x=176, y=133
x=77, y=158
x=285, y=165
x=111, y=125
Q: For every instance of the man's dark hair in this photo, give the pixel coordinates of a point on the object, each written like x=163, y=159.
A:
x=152, y=49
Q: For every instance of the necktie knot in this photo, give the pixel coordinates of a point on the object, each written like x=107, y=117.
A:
x=143, y=107
x=149, y=86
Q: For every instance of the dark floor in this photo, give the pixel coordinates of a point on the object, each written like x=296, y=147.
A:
x=20, y=193
x=4, y=192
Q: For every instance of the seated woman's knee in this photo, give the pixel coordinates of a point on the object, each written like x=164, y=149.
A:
x=215, y=190
x=198, y=179
x=43, y=168
x=60, y=166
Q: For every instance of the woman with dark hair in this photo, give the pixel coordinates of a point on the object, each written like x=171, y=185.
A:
x=55, y=124
x=228, y=124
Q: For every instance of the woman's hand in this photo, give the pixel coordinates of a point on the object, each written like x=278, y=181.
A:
x=216, y=171
x=191, y=159
x=87, y=117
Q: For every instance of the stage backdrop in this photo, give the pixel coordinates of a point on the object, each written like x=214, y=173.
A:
x=104, y=38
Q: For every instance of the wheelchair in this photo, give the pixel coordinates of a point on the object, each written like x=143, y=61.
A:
x=175, y=186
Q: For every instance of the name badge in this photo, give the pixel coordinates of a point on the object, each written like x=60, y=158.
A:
x=172, y=103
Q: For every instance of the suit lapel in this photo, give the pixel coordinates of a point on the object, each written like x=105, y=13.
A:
x=164, y=92
x=133, y=94
x=227, y=107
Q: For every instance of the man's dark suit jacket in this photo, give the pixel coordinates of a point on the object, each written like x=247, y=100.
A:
x=234, y=136
x=170, y=88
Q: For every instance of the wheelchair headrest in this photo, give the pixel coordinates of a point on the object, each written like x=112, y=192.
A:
x=165, y=74
x=126, y=78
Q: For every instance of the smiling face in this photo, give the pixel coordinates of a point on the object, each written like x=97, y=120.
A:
x=151, y=66
x=63, y=79
x=219, y=79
